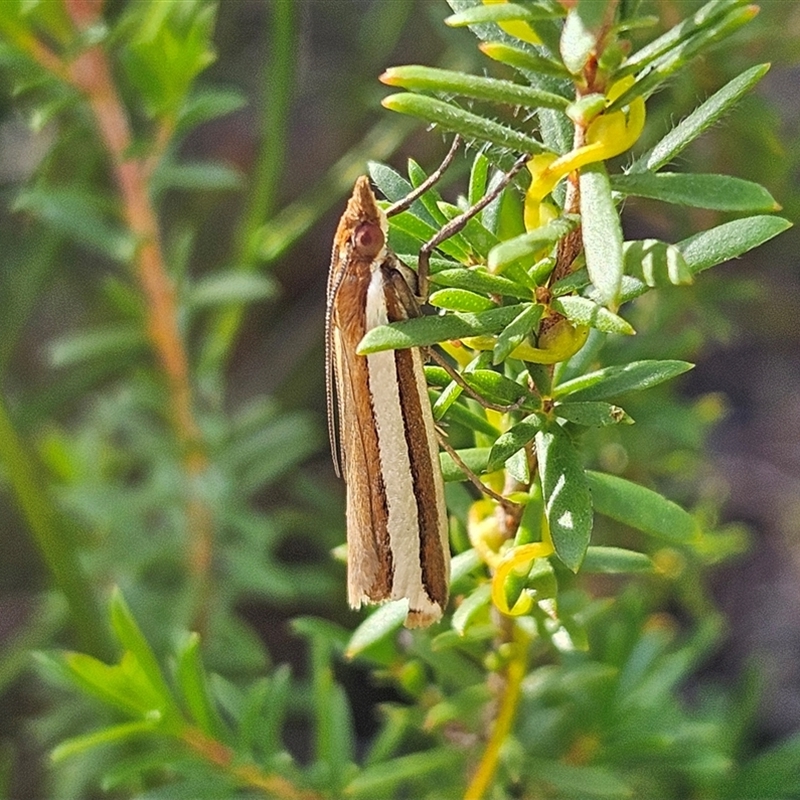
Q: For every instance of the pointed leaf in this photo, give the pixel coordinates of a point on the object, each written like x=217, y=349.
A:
x=641, y=508
x=452, y=118
x=702, y=118
x=496, y=388
x=729, y=240
x=79, y=216
x=523, y=59
x=424, y=331
x=527, y=246
x=384, y=778
x=718, y=192
x=382, y=623
x=191, y=679
x=470, y=607
x=615, y=560
x=500, y=12
x=460, y=300
x=113, y=342
x=132, y=639
x=617, y=380
x=419, y=78
x=477, y=279
x=234, y=288
x=113, y=733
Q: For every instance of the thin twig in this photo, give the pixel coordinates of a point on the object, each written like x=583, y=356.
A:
x=457, y=223
x=91, y=74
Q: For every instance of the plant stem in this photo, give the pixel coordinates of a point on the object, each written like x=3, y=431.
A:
x=248, y=775
x=91, y=74
x=503, y=723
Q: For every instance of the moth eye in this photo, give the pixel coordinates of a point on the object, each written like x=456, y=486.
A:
x=368, y=239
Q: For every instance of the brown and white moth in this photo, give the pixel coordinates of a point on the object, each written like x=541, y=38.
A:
x=397, y=536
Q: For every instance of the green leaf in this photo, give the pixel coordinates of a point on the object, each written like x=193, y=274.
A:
x=527, y=247
x=595, y=414
x=133, y=640
x=470, y=607
x=463, y=564
x=113, y=733
x=123, y=686
x=478, y=178
x=455, y=119
x=513, y=335
x=382, y=623
x=617, y=380
x=513, y=440
x=522, y=59
x=729, y=240
x=474, y=458
x=477, y=279
x=702, y=118
x=112, y=342
x=79, y=216
x=424, y=331
x=615, y=560
x=225, y=288
x=568, y=503
x=167, y=47
x=460, y=300
x=583, y=311
x=666, y=65
x=641, y=508
x=382, y=779
x=495, y=387
x=656, y=263
x=718, y=192
x=193, y=685
x=394, y=187
x=501, y=12
x=415, y=226
x=602, y=233
x=419, y=78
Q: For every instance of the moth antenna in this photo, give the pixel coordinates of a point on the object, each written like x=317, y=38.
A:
x=433, y=178
x=457, y=223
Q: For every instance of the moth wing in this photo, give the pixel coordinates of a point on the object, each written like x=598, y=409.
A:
x=368, y=553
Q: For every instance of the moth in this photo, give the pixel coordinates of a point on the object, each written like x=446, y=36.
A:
x=397, y=530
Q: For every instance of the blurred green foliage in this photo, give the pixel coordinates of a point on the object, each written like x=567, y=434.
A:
x=131, y=458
